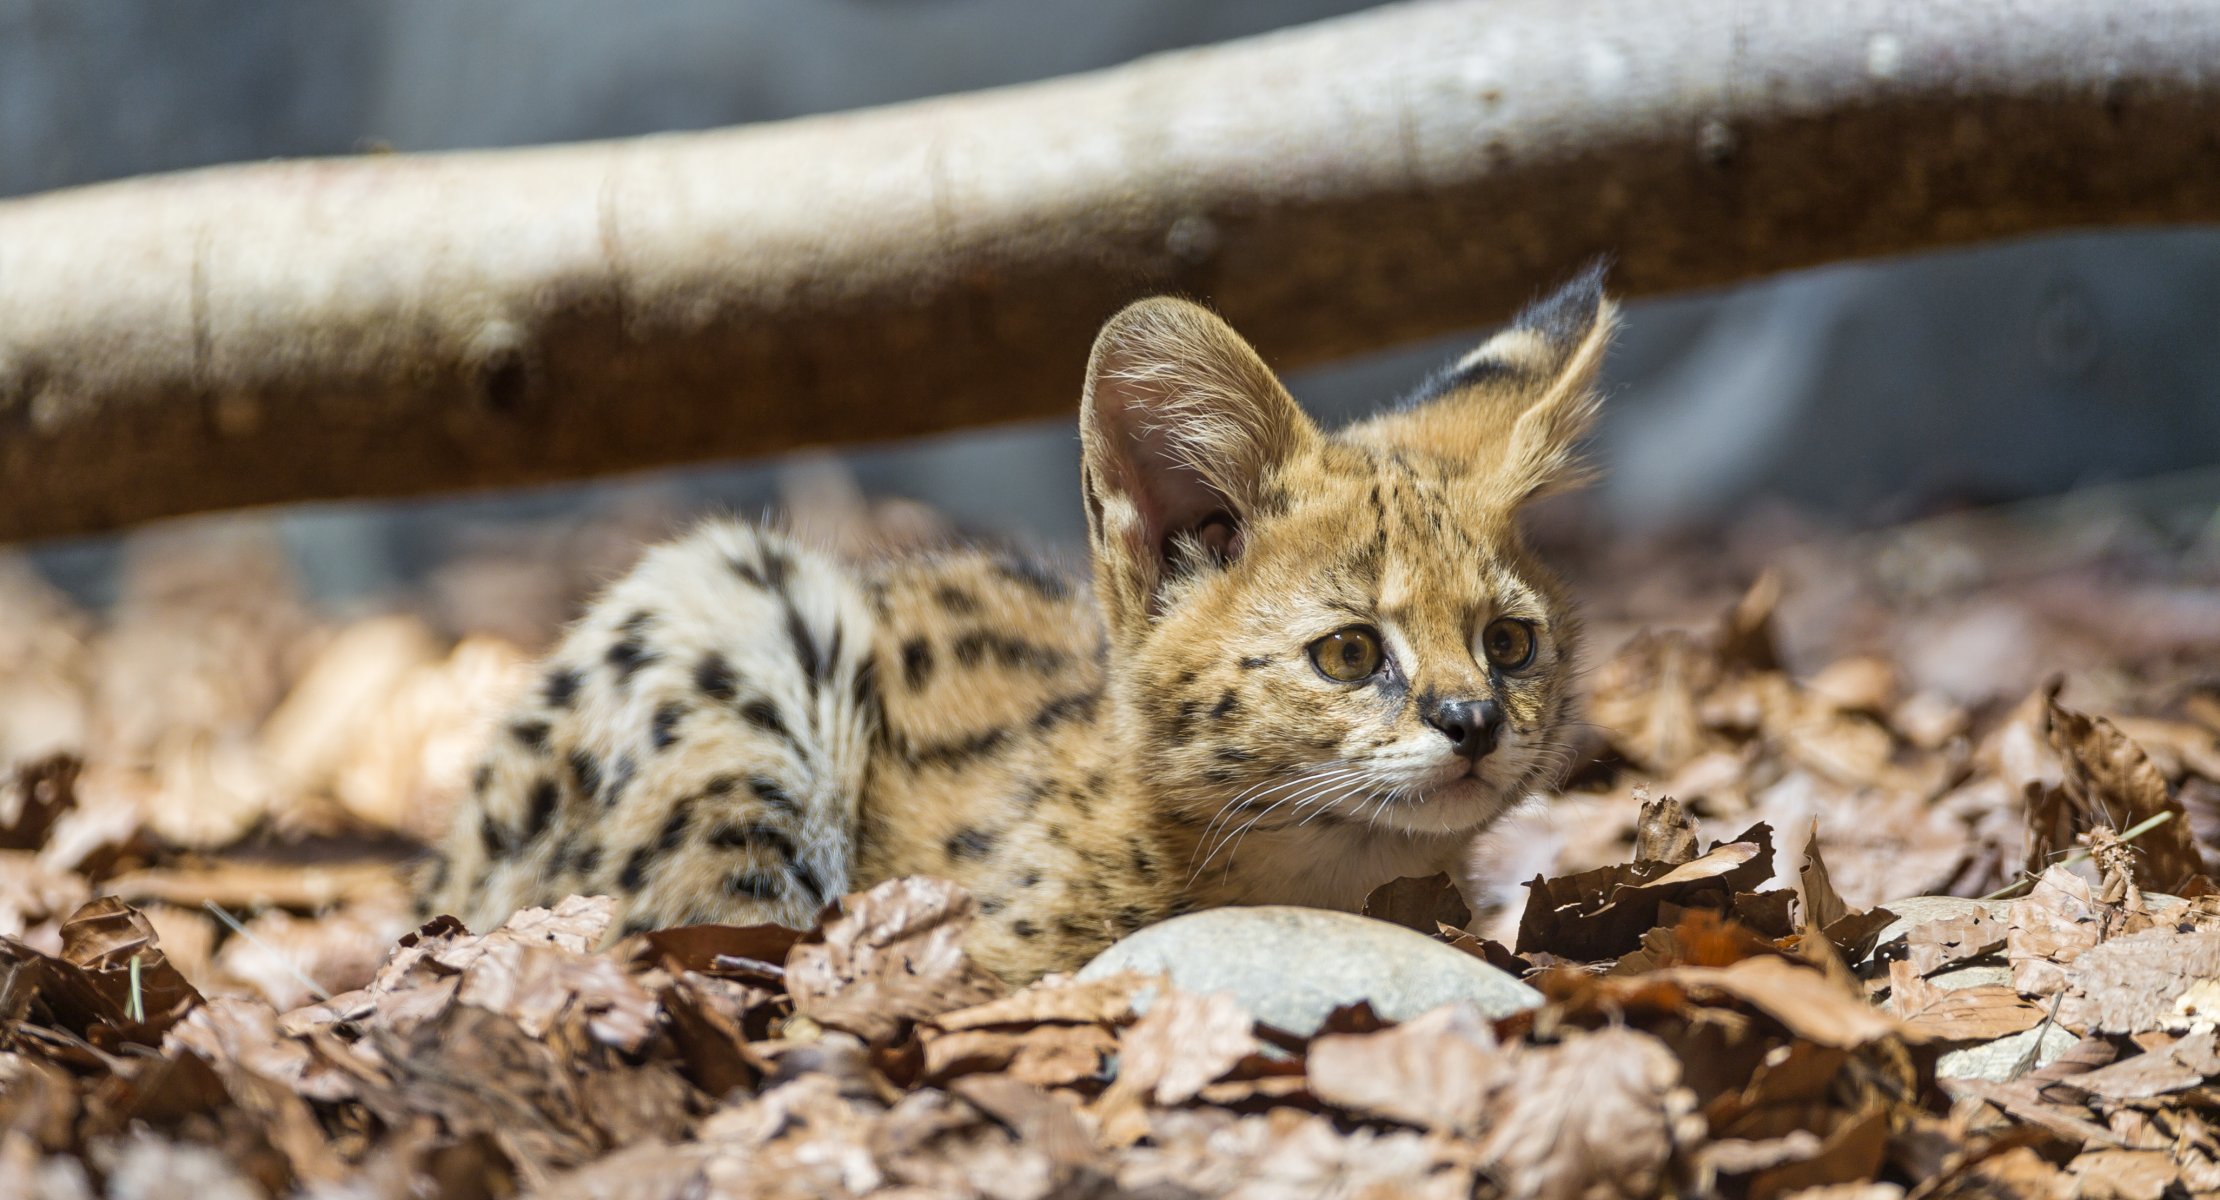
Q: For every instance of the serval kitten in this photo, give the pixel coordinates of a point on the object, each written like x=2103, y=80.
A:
x=1312, y=662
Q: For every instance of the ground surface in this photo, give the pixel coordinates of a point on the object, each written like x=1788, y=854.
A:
x=215, y=784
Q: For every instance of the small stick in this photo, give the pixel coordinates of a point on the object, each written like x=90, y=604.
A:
x=2142, y=827
x=248, y=934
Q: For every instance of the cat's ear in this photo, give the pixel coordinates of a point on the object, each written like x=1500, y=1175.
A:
x=1517, y=407
x=1181, y=427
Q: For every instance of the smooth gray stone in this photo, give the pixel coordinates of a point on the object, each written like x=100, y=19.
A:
x=1290, y=967
x=2000, y=1061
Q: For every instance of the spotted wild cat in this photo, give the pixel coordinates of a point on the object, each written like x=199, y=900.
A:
x=1312, y=662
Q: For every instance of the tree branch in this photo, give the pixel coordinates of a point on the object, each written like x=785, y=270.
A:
x=390, y=325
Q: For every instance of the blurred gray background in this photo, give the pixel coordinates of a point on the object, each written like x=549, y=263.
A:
x=1864, y=393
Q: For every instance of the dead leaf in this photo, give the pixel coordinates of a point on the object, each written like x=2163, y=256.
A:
x=1435, y=1072
x=1423, y=903
x=35, y=797
x=1603, y=913
x=1665, y=831
x=1803, y=1000
x=2184, y=1064
x=2157, y=979
x=1968, y=1014
x=1599, y=1114
x=1949, y=941
x=893, y=954
x=1184, y=1042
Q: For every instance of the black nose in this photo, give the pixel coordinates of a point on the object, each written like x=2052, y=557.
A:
x=1470, y=725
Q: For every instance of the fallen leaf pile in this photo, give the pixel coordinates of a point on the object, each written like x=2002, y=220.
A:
x=1753, y=983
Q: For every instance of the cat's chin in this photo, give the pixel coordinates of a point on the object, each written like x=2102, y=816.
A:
x=1465, y=804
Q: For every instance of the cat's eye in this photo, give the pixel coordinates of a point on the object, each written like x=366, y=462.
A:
x=1350, y=655
x=1509, y=643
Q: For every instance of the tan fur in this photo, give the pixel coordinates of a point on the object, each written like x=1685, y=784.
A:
x=745, y=728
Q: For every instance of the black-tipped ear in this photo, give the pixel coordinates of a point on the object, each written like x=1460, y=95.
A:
x=1516, y=407
x=1180, y=425
x=1537, y=342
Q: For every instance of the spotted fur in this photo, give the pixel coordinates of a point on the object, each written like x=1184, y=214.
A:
x=745, y=728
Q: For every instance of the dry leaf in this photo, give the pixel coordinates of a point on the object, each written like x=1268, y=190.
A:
x=1184, y=1042
x=1435, y=1072
x=1599, y=1114
x=1968, y=1014
x=1423, y=903
x=1665, y=831
x=2158, y=979
x=893, y=954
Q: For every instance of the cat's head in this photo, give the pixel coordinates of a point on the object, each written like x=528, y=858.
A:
x=1344, y=625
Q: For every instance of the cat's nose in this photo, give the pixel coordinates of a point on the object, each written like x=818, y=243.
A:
x=1470, y=725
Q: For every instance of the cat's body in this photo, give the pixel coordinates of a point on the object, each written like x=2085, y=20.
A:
x=1318, y=663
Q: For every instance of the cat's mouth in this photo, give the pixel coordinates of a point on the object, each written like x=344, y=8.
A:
x=1454, y=797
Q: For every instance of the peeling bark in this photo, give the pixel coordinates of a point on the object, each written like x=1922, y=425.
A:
x=396, y=324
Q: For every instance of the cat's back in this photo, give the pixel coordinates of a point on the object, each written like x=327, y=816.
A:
x=979, y=653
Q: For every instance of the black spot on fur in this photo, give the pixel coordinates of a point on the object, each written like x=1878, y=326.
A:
x=958, y=752
x=674, y=825
x=495, y=839
x=990, y=905
x=532, y=735
x=1144, y=863
x=713, y=675
x=971, y=844
x=1036, y=576
x=1225, y=706
x=634, y=875
x=808, y=881
x=752, y=837
x=747, y=571
x=1251, y=664
x=585, y=772
x=541, y=800
x=956, y=600
x=776, y=567
x=1131, y=918
x=1035, y=791
x=863, y=689
x=481, y=779
x=436, y=878
x=1063, y=708
x=719, y=785
x=620, y=777
x=770, y=793
x=1183, y=717
x=917, y=663
x=805, y=646
x=975, y=646
x=1233, y=754
x=1029, y=879
x=588, y=861
x=663, y=730
x=1025, y=929
x=753, y=884
x=628, y=654
x=560, y=688
x=1072, y=927
x=763, y=715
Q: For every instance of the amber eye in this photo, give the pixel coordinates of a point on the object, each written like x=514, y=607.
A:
x=1508, y=643
x=1349, y=655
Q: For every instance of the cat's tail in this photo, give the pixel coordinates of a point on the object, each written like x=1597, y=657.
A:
x=695, y=748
